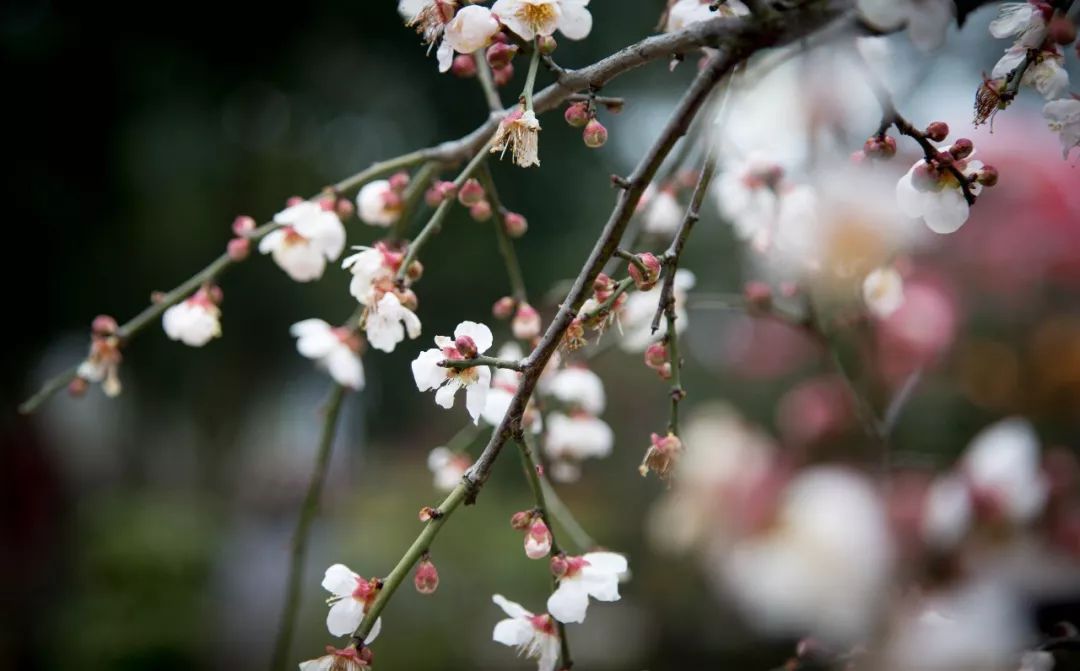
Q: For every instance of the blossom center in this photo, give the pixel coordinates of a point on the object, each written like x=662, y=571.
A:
x=538, y=16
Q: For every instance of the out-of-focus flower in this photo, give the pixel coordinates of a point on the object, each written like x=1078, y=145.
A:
x=932, y=194
x=1063, y=118
x=577, y=387
x=927, y=21
x=748, y=194
x=1026, y=21
x=447, y=467
x=535, y=636
x=573, y=438
x=373, y=270
x=662, y=213
x=1047, y=74
x=919, y=331
x=1001, y=466
x=470, y=339
x=307, y=238
x=348, y=659
x=814, y=411
x=335, y=349
x=883, y=291
x=378, y=203
x=682, y=13
x=352, y=597
x=594, y=574
x=636, y=315
x=388, y=321
x=102, y=364
x=662, y=456
x=823, y=566
x=194, y=321
x=520, y=133
x=529, y=18
x=504, y=384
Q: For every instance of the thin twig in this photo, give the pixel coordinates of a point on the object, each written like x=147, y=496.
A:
x=482, y=360
x=487, y=83
x=506, y=246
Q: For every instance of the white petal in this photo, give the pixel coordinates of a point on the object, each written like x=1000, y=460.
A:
x=569, y=602
x=576, y=21
x=375, y=629
x=426, y=370
x=339, y=580
x=344, y=616
x=480, y=334
x=947, y=212
x=512, y=609
x=345, y=367
x=476, y=393
x=512, y=632
x=610, y=562
x=444, y=396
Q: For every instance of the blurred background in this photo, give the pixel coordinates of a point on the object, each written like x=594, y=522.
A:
x=152, y=531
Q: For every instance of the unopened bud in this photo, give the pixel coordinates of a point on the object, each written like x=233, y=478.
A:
x=426, y=579
x=857, y=157
x=463, y=66
x=944, y=159
x=243, y=225
x=470, y=193
x=645, y=280
x=344, y=209
x=546, y=44
x=407, y=298
x=399, y=180
x=988, y=176
x=937, y=131
x=293, y=201
x=1061, y=30
x=213, y=293
x=538, y=540
x=577, y=114
x=526, y=323
x=328, y=204
x=439, y=192
x=559, y=566
x=515, y=224
x=758, y=296
x=656, y=355
x=415, y=271
x=480, y=211
x=503, y=308
x=366, y=657
x=103, y=325
x=77, y=387
x=238, y=248
x=962, y=148
x=500, y=54
x=465, y=346
x=880, y=147
x=595, y=135
x=502, y=76
x=522, y=520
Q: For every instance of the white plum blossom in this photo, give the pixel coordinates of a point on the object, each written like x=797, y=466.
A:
x=1022, y=20
x=346, y=659
x=940, y=204
x=594, y=574
x=1063, y=118
x=662, y=212
x=378, y=204
x=947, y=512
x=373, y=270
x=334, y=349
x=520, y=133
x=102, y=364
x=470, y=340
x=504, y=384
x=682, y=13
x=573, y=438
x=309, y=235
x=529, y=18
x=748, y=195
x=635, y=317
x=823, y=565
x=883, y=291
x=535, y=636
x=578, y=387
x=1001, y=465
x=470, y=30
x=927, y=21
x=352, y=597
x=1047, y=74
x=448, y=468
x=388, y=322
x=194, y=321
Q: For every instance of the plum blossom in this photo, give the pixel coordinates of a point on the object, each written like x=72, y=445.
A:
x=347, y=659
x=578, y=387
x=388, y=321
x=573, y=438
x=1047, y=74
x=927, y=21
x=520, y=133
x=464, y=31
x=448, y=467
x=309, y=235
x=933, y=195
x=883, y=291
x=529, y=18
x=335, y=349
x=535, y=636
x=504, y=384
x=537, y=539
x=470, y=340
x=748, y=194
x=352, y=597
x=823, y=564
x=1063, y=118
x=194, y=321
x=1026, y=21
x=102, y=364
x=635, y=318
x=373, y=270
x=594, y=574
x=662, y=213
x=378, y=203
x=1001, y=465
x=682, y=13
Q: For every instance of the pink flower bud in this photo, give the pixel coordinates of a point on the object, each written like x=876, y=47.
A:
x=243, y=225
x=328, y=204
x=988, y=176
x=962, y=148
x=399, y=180
x=415, y=271
x=522, y=520
x=294, y=201
x=471, y=193
x=857, y=157
x=559, y=566
x=880, y=147
x=944, y=159
x=344, y=208
x=77, y=387
x=426, y=579
x=538, y=540
x=427, y=513
x=407, y=298
x=526, y=323
x=212, y=293
x=439, y=192
x=595, y=135
x=500, y=54
x=238, y=248
x=503, y=308
x=103, y=325
x=645, y=280
x=546, y=44
x=480, y=211
x=463, y=66
x=515, y=224
x=758, y=296
x=1061, y=30
x=502, y=76
x=656, y=355
x=465, y=346
x=577, y=114
x=661, y=456
x=937, y=131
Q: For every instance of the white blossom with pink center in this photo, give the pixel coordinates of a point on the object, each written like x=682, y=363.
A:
x=373, y=270
x=927, y=21
x=378, y=204
x=635, y=317
x=504, y=384
x=1047, y=74
x=935, y=196
x=534, y=636
x=577, y=387
x=573, y=438
x=1002, y=467
x=529, y=18
x=1025, y=21
x=387, y=322
x=1063, y=118
x=194, y=321
x=352, y=597
x=594, y=574
x=470, y=339
x=448, y=467
x=883, y=291
x=309, y=235
x=334, y=349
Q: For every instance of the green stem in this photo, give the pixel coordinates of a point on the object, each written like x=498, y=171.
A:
x=566, y=519
x=487, y=83
x=506, y=246
x=530, y=79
